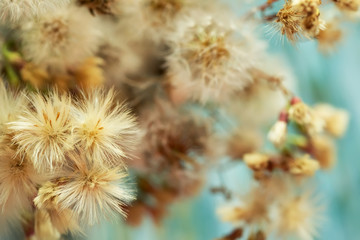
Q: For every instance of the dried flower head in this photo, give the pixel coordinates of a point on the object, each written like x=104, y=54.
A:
x=63, y=220
x=299, y=216
x=62, y=38
x=166, y=6
x=336, y=120
x=300, y=18
x=264, y=97
x=347, y=5
x=109, y=7
x=18, y=183
x=303, y=166
x=103, y=128
x=16, y=10
x=93, y=192
x=89, y=74
x=207, y=61
x=311, y=24
x=306, y=117
x=170, y=137
x=256, y=161
x=98, y=6
x=35, y=75
x=324, y=151
x=161, y=14
x=290, y=20
x=300, y=113
x=254, y=209
x=329, y=37
x=43, y=130
x=11, y=105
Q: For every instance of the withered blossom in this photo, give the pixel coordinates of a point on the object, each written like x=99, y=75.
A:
x=125, y=107
x=300, y=19
x=18, y=10
x=43, y=131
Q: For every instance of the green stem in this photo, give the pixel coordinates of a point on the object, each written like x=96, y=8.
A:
x=12, y=76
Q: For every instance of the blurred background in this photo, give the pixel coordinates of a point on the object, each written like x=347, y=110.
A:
x=332, y=78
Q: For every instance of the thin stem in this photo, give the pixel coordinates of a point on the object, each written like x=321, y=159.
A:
x=10, y=71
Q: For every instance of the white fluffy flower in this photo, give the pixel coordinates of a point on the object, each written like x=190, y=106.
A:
x=207, y=60
x=11, y=105
x=298, y=217
x=15, y=10
x=62, y=38
x=43, y=130
x=105, y=129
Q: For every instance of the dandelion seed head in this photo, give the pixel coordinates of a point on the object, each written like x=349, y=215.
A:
x=20, y=10
x=93, y=192
x=207, y=60
x=299, y=216
x=104, y=128
x=43, y=130
x=62, y=38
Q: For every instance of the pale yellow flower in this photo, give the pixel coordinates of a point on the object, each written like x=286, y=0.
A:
x=256, y=161
x=43, y=130
x=93, y=192
x=303, y=166
x=104, y=128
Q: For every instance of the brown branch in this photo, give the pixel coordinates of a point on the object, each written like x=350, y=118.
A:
x=235, y=234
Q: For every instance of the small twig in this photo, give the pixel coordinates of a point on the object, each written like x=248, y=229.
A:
x=274, y=82
x=235, y=234
x=262, y=8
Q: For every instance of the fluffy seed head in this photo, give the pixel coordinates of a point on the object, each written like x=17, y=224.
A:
x=18, y=183
x=11, y=105
x=299, y=19
x=62, y=38
x=207, y=61
x=15, y=10
x=104, y=128
x=43, y=130
x=253, y=211
x=93, y=192
x=170, y=136
x=299, y=216
x=63, y=220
